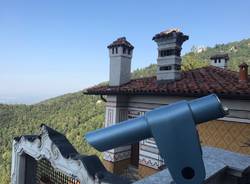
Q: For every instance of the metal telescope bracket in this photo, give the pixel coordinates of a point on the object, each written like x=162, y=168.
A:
x=174, y=129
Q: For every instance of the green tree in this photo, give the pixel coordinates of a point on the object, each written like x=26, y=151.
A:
x=191, y=61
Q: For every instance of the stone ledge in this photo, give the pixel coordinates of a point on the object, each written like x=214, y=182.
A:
x=217, y=161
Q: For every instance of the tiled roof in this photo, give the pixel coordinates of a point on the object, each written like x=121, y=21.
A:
x=220, y=56
x=121, y=42
x=197, y=82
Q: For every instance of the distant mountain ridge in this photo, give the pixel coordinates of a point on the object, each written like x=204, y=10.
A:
x=75, y=114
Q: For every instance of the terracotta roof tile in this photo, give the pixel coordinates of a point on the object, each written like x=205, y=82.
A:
x=121, y=42
x=197, y=82
x=171, y=33
x=220, y=56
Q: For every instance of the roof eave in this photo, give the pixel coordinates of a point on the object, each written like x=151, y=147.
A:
x=225, y=96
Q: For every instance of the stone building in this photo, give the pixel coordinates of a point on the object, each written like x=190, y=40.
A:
x=129, y=98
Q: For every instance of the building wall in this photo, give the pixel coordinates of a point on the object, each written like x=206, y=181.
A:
x=231, y=136
x=116, y=110
x=118, y=167
x=144, y=171
x=230, y=133
x=221, y=63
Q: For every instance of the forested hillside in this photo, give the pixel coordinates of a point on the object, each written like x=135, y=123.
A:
x=72, y=114
x=76, y=113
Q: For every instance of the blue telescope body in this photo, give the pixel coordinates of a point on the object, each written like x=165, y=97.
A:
x=173, y=128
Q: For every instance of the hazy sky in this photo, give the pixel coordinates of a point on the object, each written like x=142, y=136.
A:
x=52, y=47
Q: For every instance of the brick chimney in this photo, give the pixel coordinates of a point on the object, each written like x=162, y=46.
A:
x=169, y=54
x=243, y=72
x=120, y=53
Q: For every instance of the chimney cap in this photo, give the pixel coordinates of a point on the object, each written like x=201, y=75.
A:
x=220, y=56
x=121, y=41
x=174, y=32
x=243, y=65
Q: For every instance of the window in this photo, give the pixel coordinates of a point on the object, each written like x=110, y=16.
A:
x=178, y=52
x=113, y=50
x=116, y=50
x=219, y=61
x=162, y=68
x=129, y=51
x=124, y=50
x=177, y=67
x=215, y=61
x=170, y=52
x=163, y=53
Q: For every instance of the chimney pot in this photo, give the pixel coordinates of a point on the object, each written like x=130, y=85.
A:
x=243, y=72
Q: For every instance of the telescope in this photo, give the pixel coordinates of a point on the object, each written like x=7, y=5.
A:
x=174, y=129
